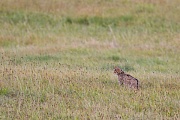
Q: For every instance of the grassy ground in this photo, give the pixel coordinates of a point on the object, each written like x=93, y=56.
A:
x=57, y=59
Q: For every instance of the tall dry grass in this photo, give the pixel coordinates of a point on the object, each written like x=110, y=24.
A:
x=57, y=59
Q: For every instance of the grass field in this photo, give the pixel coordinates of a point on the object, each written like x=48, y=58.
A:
x=57, y=59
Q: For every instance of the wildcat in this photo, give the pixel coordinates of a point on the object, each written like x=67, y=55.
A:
x=126, y=79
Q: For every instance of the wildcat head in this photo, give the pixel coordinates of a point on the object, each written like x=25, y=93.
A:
x=118, y=71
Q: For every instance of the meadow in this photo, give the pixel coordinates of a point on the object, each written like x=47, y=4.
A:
x=57, y=59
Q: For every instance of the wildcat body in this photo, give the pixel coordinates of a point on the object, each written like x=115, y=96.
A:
x=126, y=79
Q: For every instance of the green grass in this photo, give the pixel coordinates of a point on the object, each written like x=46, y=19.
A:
x=57, y=59
x=3, y=91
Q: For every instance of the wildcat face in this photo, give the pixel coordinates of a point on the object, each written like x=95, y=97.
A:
x=118, y=71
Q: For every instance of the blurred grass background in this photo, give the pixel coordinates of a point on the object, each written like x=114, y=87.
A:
x=57, y=59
